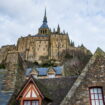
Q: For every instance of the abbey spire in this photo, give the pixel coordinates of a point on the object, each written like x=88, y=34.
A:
x=44, y=29
x=45, y=17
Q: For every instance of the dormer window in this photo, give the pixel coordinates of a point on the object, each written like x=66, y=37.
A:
x=51, y=73
x=51, y=76
x=30, y=94
x=96, y=96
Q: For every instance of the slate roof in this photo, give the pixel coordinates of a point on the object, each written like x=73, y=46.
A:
x=4, y=95
x=44, y=25
x=54, y=90
x=43, y=71
x=58, y=87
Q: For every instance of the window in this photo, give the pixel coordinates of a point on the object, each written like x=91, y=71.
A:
x=96, y=96
x=51, y=76
x=41, y=31
x=31, y=102
x=45, y=31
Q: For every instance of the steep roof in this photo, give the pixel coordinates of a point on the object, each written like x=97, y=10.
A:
x=54, y=90
x=58, y=87
x=98, y=54
x=44, y=25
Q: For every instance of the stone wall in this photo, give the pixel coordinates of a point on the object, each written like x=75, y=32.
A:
x=92, y=75
x=4, y=51
x=59, y=43
x=14, y=71
x=34, y=47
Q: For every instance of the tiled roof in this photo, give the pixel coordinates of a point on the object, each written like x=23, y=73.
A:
x=43, y=71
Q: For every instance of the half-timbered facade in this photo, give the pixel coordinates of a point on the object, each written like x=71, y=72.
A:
x=30, y=94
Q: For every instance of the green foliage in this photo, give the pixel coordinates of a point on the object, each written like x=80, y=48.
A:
x=68, y=56
x=99, y=52
x=36, y=63
x=2, y=66
x=47, y=64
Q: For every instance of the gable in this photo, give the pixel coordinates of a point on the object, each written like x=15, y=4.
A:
x=51, y=71
x=31, y=92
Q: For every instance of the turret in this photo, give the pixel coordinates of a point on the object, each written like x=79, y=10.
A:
x=58, y=29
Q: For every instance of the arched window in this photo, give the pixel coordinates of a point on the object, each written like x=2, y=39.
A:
x=96, y=96
x=45, y=31
x=41, y=31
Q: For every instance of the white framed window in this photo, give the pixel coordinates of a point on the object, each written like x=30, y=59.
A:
x=31, y=102
x=96, y=96
x=51, y=75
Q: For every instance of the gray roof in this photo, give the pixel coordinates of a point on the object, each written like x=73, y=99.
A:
x=41, y=35
x=43, y=71
x=54, y=89
x=44, y=25
x=58, y=87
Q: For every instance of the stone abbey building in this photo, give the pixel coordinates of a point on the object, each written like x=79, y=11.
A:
x=45, y=44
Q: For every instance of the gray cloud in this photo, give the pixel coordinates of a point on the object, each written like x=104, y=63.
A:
x=84, y=20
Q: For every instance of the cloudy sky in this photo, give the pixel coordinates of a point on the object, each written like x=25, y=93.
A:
x=84, y=20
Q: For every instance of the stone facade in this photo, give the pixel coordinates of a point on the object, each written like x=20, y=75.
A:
x=14, y=72
x=46, y=44
x=93, y=75
x=4, y=51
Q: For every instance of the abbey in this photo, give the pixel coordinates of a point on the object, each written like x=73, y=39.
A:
x=45, y=44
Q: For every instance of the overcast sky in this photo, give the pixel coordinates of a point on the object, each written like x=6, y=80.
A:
x=84, y=20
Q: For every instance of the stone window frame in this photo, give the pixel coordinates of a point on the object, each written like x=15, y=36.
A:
x=95, y=93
